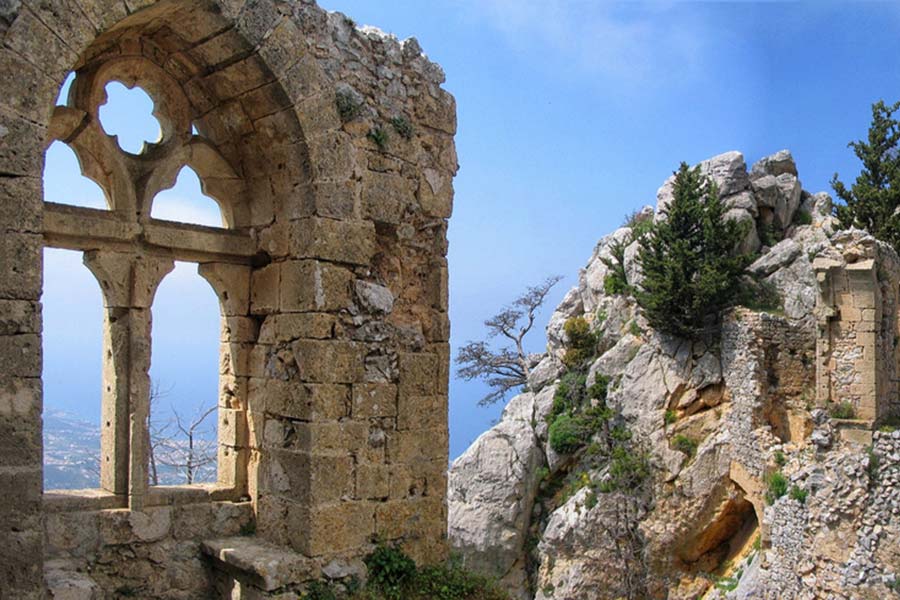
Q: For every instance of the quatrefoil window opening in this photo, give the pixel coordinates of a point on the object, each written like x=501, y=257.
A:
x=127, y=115
x=133, y=120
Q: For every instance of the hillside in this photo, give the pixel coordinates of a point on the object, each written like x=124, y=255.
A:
x=741, y=466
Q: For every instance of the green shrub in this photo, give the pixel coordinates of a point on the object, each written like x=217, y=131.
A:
x=320, y=590
x=690, y=270
x=452, y=582
x=394, y=576
x=581, y=342
x=670, y=417
x=627, y=470
x=799, y=494
x=635, y=329
x=843, y=410
x=780, y=459
x=760, y=295
x=379, y=136
x=600, y=388
x=890, y=424
x=778, y=487
x=769, y=235
x=567, y=434
x=801, y=217
x=616, y=281
x=684, y=444
x=570, y=394
x=874, y=464
x=389, y=570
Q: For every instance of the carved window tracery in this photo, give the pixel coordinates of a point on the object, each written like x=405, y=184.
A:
x=130, y=252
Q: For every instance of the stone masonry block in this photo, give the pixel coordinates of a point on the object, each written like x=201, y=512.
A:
x=20, y=266
x=410, y=447
x=19, y=316
x=328, y=361
x=385, y=197
x=411, y=518
x=332, y=199
x=372, y=481
x=418, y=373
x=20, y=396
x=264, y=286
x=333, y=528
x=307, y=401
x=310, y=285
x=436, y=193
x=313, y=479
x=374, y=400
x=337, y=436
x=421, y=412
x=350, y=242
x=277, y=329
x=20, y=203
x=20, y=355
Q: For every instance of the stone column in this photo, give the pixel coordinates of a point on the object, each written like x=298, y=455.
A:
x=129, y=282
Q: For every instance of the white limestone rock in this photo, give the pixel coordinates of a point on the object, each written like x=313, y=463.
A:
x=491, y=492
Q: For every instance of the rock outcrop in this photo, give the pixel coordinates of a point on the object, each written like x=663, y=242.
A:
x=715, y=420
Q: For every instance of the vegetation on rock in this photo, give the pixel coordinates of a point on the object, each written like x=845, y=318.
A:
x=690, y=271
x=582, y=342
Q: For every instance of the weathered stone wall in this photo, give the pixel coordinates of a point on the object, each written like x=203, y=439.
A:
x=330, y=150
x=856, y=308
x=839, y=543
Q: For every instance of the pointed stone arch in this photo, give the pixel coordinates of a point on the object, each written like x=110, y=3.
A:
x=245, y=91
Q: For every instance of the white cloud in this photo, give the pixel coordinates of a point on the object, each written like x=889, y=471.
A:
x=628, y=44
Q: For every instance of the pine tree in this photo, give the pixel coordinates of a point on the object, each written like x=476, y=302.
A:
x=688, y=260
x=872, y=202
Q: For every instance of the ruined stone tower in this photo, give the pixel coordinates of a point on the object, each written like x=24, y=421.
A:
x=330, y=151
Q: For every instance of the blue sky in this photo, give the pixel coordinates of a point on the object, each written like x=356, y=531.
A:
x=571, y=114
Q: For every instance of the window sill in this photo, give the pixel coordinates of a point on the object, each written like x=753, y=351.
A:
x=56, y=501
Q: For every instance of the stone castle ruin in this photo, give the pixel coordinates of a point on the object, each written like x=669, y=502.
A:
x=329, y=150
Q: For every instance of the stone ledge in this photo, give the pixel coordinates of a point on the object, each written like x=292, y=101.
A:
x=65, y=582
x=857, y=431
x=258, y=563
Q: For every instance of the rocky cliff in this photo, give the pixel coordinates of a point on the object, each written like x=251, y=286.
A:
x=742, y=483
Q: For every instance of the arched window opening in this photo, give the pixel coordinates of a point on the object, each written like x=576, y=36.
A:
x=63, y=96
x=72, y=372
x=185, y=202
x=184, y=380
x=64, y=182
x=128, y=115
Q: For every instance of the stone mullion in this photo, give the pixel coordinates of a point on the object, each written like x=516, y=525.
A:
x=138, y=405
x=129, y=282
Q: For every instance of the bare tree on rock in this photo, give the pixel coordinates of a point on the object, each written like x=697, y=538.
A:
x=508, y=367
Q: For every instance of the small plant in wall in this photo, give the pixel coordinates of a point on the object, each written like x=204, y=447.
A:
x=403, y=127
x=778, y=487
x=348, y=106
x=842, y=410
x=379, y=137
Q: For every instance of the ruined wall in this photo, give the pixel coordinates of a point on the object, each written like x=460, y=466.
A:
x=856, y=310
x=330, y=149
